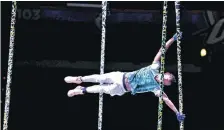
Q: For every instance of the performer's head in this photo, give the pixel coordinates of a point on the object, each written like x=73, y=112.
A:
x=168, y=79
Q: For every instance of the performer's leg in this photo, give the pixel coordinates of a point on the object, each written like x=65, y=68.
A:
x=112, y=89
x=95, y=78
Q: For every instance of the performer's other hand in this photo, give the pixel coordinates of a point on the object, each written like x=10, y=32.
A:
x=180, y=117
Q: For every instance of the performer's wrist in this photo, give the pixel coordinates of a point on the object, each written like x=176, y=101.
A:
x=174, y=38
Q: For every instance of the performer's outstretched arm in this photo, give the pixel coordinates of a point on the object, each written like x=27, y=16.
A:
x=169, y=103
x=168, y=44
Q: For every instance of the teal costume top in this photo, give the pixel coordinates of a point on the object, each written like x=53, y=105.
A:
x=143, y=80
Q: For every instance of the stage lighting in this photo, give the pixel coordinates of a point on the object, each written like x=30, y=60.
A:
x=203, y=52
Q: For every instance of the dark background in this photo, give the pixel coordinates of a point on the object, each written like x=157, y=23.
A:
x=39, y=98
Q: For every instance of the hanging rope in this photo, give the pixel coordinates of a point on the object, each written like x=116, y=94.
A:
x=177, y=8
x=10, y=64
x=104, y=15
x=162, y=69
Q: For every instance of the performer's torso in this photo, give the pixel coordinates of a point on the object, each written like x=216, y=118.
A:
x=143, y=80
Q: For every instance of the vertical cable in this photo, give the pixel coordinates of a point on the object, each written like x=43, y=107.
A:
x=177, y=8
x=162, y=69
x=103, y=36
x=10, y=64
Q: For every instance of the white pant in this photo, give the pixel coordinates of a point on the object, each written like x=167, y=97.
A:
x=111, y=83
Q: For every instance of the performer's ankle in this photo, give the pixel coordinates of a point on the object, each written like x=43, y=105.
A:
x=84, y=90
x=80, y=78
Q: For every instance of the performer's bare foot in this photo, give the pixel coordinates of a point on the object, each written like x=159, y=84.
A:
x=77, y=91
x=70, y=79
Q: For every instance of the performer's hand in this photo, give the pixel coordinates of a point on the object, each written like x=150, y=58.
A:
x=175, y=36
x=180, y=117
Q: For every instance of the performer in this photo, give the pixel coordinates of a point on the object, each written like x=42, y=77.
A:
x=118, y=83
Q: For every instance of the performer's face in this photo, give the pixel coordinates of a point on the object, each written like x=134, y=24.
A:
x=167, y=79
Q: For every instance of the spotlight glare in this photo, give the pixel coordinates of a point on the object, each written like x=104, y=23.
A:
x=203, y=52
